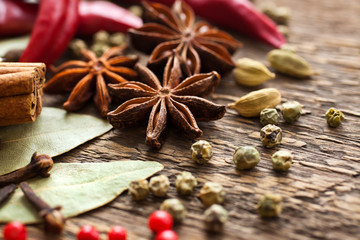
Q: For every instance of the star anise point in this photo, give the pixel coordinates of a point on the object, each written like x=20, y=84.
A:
x=89, y=79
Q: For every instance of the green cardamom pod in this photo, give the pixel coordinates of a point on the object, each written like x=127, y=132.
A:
x=254, y=102
x=249, y=72
x=289, y=63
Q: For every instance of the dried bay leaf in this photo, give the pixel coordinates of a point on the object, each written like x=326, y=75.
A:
x=53, y=133
x=78, y=188
x=13, y=43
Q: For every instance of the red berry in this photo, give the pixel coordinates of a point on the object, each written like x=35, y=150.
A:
x=88, y=232
x=159, y=221
x=167, y=235
x=15, y=231
x=117, y=233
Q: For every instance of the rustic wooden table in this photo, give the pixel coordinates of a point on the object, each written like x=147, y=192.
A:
x=321, y=191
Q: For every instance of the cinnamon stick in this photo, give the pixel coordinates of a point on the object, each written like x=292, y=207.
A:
x=18, y=83
x=20, y=92
x=18, y=109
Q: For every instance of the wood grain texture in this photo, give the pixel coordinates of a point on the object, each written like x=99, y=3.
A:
x=321, y=191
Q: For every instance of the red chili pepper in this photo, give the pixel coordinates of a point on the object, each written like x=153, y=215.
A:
x=239, y=15
x=16, y=18
x=94, y=16
x=101, y=15
x=55, y=25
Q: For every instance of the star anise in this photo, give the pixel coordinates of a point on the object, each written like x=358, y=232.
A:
x=201, y=44
x=178, y=101
x=89, y=78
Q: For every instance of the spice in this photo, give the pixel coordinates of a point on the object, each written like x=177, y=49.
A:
x=200, y=44
x=246, y=157
x=282, y=160
x=291, y=111
x=20, y=92
x=271, y=135
x=289, y=63
x=175, y=208
x=180, y=102
x=249, y=72
x=6, y=192
x=81, y=77
x=17, y=18
x=100, y=43
x=40, y=165
x=253, y=23
x=88, y=232
x=167, y=235
x=139, y=189
x=104, y=15
x=54, y=220
x=117, y=39
x=279, y=15
x=52, y=32
x=76, y=46
x=185, y=183
x=99, y=49
x=201, y=151
x=101, y=37
x=160, y=221
x=15, y=231
x=159, y=185
x=269, y=205
x=212, y=193
x=284, y=30
x=93, y=17
x=254, y=102
x=136, y=10
x=269, y=116
x=117, y=233
x=334, y=117
x=215, y=218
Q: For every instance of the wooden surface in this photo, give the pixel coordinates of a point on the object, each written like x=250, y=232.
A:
x=321, y=191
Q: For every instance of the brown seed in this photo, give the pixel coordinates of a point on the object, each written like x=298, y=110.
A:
x=6, y=192
x=54, y=220
x=40, y=165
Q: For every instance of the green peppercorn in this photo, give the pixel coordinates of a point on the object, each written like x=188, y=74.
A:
x=269, y=116
x=99, y=48
x=136, y=10
x=139, y=189
x=201, y=151
x=284, y=30
x=334, y=117
x=280, y=15
x=175, y=208
x=185, y=183
x=159, y=185
x=291, y=111
x=215, y=217
x=101, y=37
x=76, y=46
x=117, y=39
x=212, y=193
x=270, y=135
x=246, y=157
x=282, y=160
x=269, y=205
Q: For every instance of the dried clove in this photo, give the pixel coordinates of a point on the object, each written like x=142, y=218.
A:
x=6, y=192
x=40, y=165
x=54, y=220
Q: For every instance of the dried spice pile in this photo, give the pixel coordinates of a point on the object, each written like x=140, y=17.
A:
x=184, y=57
x=186, y=61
